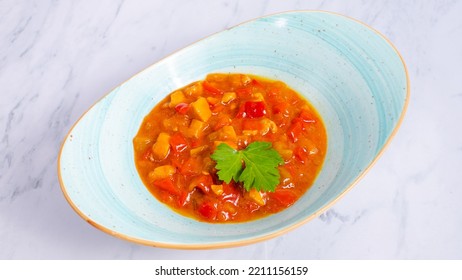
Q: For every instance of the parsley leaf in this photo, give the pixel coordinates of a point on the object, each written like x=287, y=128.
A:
x=255, y=166
x=229, y=163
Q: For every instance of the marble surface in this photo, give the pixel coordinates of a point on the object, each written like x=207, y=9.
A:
x=58, y=57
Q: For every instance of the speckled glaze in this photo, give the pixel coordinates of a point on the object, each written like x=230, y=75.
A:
x=349, y=72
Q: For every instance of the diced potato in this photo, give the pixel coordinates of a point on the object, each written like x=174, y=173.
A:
x=283, y=149
x=196, y=151
x=212, y=100
x=230, y=208
x=170, y=124
x=257, y=197
x=239, y=80
x=228, y=97
x=249, y=132
x=217, y=189
x=285, y=174
x=161, y=148
x=213, y=136
x=227, y=133
x=279, y=145
x=286, y=178
x=286, y=154
x=201, y=109
x=194, y=90
x=235, y=80
x=258, y=96
x=267, y=126
x=176, y=98
x=141, y=143
x=245, y=79
x=231, y=144
x=216, y=77
x=161, y=172
x=196, y=128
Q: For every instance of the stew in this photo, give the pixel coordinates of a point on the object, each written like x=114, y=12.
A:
x=176, y=141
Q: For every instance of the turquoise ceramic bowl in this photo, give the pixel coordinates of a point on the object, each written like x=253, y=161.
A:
x=349, y=72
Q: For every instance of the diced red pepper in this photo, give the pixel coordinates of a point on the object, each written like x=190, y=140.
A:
x=255, y=109
x=182, y=108
x=281, y=108
x=208, y=210
x=243, y=92
x=306, y=117
x=177, y=161
x=203, y=182
x=299, y=124
x=217, y=108
x=184, y=198
x=256, y=83
x=208, y=87
x=178, y=143
x=241, y=112
x=294, y=131
x=222, y=120
x=166, y=184
x=197, y=142
x=301, y=154
x=284, y=196
x=191, y=166
x=230, y=188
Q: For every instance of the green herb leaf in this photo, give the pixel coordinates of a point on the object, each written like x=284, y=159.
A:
x=255, y=166
x=229, y=163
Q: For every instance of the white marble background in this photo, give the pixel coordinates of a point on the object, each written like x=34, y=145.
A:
x=58, y=57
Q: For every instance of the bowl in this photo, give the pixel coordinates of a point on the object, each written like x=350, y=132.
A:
x=349, y=72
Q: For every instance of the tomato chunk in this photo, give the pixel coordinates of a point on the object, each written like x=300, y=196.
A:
x=182, y=108
x=252, y=109
x=178, y=143
x=294, y=131
x=166, y=185
x=208, y=210
x=243, y=92
x=285, y=197
x=306, y=117
x=255, y=109
x=282, y=108
x=301, y=154
x=184, y=198
x=203, y=182
x=191, y=166
x=208, y=87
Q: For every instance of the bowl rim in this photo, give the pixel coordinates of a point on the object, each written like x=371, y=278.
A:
x=236, y=243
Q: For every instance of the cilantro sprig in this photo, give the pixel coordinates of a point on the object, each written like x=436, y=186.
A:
x=255, y=166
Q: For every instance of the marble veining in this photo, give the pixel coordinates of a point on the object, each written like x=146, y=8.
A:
x=57, y=58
